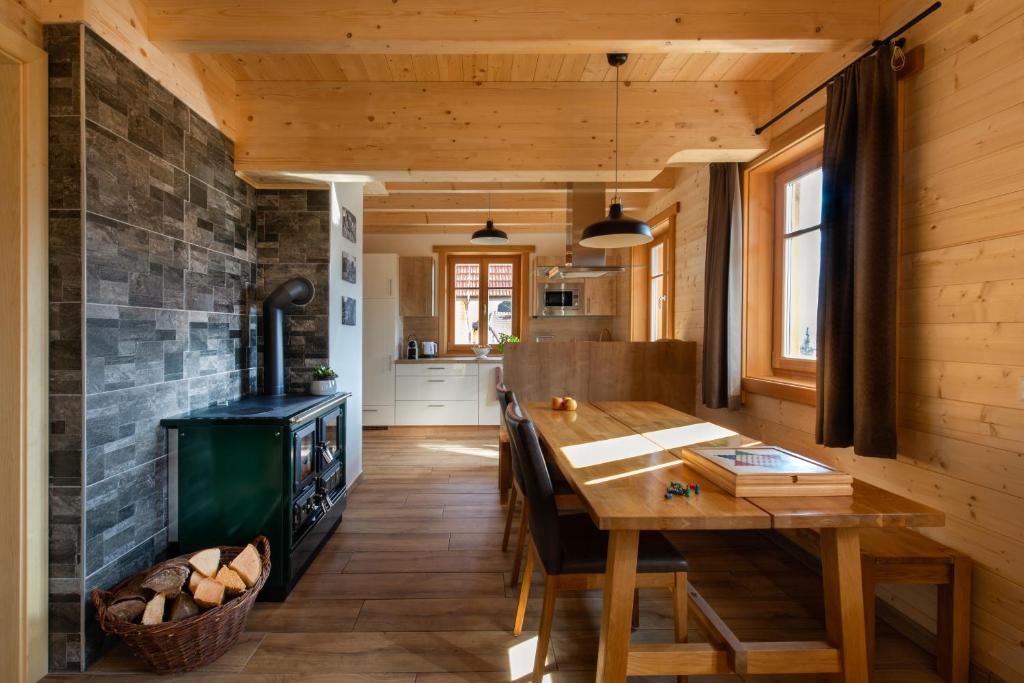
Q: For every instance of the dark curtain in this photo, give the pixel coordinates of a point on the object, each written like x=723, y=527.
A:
x=859, y=260
x=722, y=289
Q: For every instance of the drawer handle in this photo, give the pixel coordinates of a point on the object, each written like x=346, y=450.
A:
x=435, y=405
x=435, y=368
x=435, y=380
x=371, y=410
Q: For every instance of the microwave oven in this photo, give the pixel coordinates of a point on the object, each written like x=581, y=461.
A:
x=559, y=299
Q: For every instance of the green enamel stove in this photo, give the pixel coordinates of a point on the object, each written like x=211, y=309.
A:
x=271, y=465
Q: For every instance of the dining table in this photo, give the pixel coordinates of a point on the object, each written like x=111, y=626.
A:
x=619, y=457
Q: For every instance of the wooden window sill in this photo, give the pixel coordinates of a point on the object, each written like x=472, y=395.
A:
x=788, y=389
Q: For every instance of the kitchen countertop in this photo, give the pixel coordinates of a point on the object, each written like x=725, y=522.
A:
x=258, y=409
x=452, y=359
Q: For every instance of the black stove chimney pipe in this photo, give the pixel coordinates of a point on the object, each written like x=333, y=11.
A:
x=297, y=291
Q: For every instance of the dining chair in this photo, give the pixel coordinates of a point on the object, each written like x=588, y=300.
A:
x=564, y=495
x=571, y=551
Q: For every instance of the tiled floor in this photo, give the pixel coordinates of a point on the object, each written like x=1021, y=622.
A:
x=413, y=588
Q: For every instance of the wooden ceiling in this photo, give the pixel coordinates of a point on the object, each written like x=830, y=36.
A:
x=505, y=68
x=446, y=103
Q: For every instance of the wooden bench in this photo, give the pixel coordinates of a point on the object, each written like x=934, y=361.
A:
x=903, y=556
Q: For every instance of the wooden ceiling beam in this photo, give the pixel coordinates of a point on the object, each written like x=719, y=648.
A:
x=477, y=218
x=502, y=27
x=494, y=131
x=522, y=228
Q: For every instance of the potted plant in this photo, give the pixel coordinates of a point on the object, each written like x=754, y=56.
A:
x=505, y=339
x=324, y=381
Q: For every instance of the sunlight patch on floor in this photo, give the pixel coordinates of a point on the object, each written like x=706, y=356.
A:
x=520, y=660
x=488, y=452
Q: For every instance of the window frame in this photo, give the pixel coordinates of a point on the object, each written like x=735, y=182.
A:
x=663, y=227
x=483, y=289
x=783, y=176
x=519, y=254
x=765, y=371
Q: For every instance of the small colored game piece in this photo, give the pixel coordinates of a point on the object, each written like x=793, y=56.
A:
x=668, y=496
x=696, y=489
x=686, y=493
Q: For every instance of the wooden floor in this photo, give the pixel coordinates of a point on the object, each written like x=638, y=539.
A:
x=413, y=588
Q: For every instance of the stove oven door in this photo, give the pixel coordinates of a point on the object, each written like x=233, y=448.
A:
x=304, y=457
x=332, y=453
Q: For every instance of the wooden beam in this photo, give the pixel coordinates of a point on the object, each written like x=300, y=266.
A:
x=663, y=181
x=520, y=228
x=500, y=27
x=493, y=131
x=454, y=218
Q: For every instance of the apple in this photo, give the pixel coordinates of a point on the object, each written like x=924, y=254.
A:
x=557, y=403
x=569, y=403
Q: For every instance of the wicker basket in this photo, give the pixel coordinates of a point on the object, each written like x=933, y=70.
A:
x=176, y=646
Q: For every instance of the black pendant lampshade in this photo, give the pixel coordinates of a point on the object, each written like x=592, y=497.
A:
x=489, y=235
x=617, y=230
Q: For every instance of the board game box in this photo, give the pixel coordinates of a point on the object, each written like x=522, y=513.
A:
x=768, y=471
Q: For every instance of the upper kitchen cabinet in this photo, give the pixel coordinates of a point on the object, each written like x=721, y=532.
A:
x=381, y=276
x=416, y=286
x=599, y=296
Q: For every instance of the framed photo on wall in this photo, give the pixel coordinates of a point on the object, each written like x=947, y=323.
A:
x=348, y=311
x=348, y=225
x=348, y=267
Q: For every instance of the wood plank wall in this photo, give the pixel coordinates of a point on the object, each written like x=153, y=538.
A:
x=661, y=371
x=962, y=338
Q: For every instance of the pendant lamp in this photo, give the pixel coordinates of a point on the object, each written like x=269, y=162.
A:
x=617, y=230
x=489, y=234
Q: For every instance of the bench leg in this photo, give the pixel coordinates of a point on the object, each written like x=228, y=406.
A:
x=867, y=578
x=953, y=647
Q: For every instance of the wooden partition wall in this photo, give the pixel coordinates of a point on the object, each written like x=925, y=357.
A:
x=662, y=371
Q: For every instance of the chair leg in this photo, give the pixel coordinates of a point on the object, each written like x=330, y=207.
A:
x=509, y=514
x=524, y=591
x=867, y=580
x=636, y=609
x=680, y=613
x=954, y=645
x=524, y=531
x=547, y=615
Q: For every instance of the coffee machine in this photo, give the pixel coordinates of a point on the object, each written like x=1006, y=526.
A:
x=412, y=348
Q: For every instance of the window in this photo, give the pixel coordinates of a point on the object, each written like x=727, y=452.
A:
x=797, y=229
x=480, y=296
x=653, y=286
x=782, y=260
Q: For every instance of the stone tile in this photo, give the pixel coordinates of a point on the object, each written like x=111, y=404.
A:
x=120, y=97
x=128, y=184
x=130, y=266
x=65, y=255
x=210, y=157
x=65, y=348
x=123, y=432
x=293, y=236
x=65, y=162
x=62, y=43
x=65, y=442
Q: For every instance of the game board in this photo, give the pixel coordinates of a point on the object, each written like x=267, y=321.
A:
x=768, y=471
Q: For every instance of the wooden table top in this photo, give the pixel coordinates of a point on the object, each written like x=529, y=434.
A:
x=620, y=456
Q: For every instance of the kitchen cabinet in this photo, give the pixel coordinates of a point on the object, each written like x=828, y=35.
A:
x=488, y=409
x=436, y=412
x=416, y=286
x=599, y=296
x=381, y=341
x=437, y=393
x=380, y=276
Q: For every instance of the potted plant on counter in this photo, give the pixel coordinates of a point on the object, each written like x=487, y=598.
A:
x=503, y=340
x=324, y=381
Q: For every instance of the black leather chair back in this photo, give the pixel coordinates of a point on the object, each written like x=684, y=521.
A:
x=508, y=401
x=537, y=487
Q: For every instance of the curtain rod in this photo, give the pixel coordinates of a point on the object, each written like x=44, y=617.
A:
x=875, y=44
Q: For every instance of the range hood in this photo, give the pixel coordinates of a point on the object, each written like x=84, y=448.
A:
x=586, y=205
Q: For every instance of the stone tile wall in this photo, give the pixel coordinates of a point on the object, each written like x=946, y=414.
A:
x=152, y=306
x=294, y=230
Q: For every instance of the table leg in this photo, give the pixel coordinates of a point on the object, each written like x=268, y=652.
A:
x=844, y=601
x=616, y=617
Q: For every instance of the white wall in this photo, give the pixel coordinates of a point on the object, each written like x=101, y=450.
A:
x=547, y=244
x=345, y=346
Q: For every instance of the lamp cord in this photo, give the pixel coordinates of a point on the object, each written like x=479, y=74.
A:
x=615, y=196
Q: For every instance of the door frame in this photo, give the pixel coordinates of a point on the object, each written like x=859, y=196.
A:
x=24, y=360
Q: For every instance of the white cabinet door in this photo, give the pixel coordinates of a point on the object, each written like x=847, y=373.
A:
x=490, y=411
x=435, y=413
x=413, y=388
x=380, y=349
x=379, y=416
x=380, y=276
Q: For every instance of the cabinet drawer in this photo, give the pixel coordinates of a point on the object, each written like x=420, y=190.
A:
x=436, y=412
x=440, y=387
x=378, y=416
x=436, y=369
